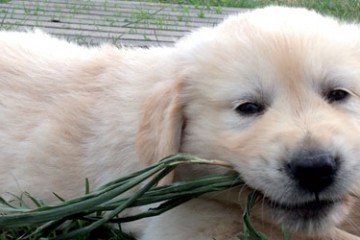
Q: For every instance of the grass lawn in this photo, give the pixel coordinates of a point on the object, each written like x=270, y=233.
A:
x=346, y=9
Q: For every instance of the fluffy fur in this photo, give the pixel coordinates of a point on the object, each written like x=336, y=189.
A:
x=69, y=112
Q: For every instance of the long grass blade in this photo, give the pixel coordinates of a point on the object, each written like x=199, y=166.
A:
x=78, y=218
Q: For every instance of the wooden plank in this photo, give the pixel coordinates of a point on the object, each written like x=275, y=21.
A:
x=30, y=8
x=80, y=26
x=113, y=35
x=121, y=7
x=96, y=21
x=110, y=4
x=120, y=21
x=94, y=41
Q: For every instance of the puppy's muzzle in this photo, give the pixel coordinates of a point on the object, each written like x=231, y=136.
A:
x=313, y=170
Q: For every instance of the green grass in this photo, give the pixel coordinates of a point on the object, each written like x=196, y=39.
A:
x=345, y=9
x=86, y=217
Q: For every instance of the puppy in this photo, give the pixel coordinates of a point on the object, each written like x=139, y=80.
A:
x=274, y=91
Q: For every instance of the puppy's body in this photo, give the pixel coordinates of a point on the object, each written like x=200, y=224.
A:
x=68, y=112
x=266, y=90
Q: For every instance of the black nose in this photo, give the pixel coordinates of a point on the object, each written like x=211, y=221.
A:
x=313, y=170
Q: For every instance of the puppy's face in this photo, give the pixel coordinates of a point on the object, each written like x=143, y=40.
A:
x=276, y=92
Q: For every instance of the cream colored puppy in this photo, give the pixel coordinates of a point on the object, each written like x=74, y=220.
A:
x=274, y=91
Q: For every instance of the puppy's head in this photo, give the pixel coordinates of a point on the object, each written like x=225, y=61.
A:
x=276, y=92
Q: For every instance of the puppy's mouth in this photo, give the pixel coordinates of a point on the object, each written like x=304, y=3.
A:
x=306, y=210
x=314, y=216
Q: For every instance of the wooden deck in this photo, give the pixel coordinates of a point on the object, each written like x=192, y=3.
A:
x=91, y=22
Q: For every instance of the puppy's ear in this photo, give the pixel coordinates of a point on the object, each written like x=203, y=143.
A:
x=161, y=124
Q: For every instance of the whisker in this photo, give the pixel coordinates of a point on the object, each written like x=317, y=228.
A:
x=355, y=195
x=241, y=191
x=262, y=207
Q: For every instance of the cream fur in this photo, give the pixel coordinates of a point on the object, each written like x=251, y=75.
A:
x=69, y=112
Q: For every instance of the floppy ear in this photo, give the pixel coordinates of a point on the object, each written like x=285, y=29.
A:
x=161, y=124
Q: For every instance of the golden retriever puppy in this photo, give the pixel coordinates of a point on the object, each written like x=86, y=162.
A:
x=274, y=91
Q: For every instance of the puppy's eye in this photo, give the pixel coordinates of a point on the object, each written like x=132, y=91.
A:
x=337, y=95
x=250, y=108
